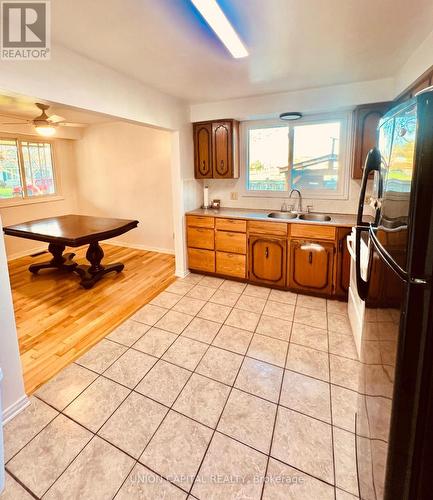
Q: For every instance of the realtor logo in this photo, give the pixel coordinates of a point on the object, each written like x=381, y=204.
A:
x=25, y=30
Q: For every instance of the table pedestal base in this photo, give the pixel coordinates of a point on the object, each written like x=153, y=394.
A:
x=60, y=261
x=93, y=273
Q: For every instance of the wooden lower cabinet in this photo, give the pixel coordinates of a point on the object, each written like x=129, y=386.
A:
x=311, y=265
x=201, y=260
x=231, y=264
x=267, y=260
x=199, y=237
x=342, y=270
x=231, y=242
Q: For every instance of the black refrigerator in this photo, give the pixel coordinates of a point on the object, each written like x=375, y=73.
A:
x=394, y=420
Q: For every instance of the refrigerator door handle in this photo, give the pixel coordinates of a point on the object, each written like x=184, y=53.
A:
x=372, y=164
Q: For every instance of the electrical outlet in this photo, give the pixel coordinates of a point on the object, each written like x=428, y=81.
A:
x=234, y=195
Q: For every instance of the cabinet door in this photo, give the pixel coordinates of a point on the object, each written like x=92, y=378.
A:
x=203, y=150
x=311, y=266
x=267, y=260
x=222, y=147
x=366, y=120
x=342, y=274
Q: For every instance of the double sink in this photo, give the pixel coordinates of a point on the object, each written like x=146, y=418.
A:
x=307, y=217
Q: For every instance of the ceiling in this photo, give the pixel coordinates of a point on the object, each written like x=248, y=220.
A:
x=293, y=44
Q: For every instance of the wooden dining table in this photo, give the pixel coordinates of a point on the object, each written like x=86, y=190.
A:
x=74, y=231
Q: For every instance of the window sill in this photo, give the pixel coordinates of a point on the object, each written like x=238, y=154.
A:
x=14, y=202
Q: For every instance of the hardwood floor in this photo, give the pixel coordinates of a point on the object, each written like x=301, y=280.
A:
x=57, y=320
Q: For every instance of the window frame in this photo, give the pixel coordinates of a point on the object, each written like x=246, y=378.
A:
x=25, y=199
x=317, y=194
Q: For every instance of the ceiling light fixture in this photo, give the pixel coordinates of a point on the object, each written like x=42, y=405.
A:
x=218, y=21
x=291, y=115
x=45, y=130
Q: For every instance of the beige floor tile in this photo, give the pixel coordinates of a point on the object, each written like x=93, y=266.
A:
x=279, y=310
x=233, y=286
x=13, y=490
x=155, y=342
x=188, y=305
x=211, y=282
x=132, y=425
x=220, y=365
x=274, y=327
x=202, y=330
x=164, y=382
x=165, y=299
x=66, y=386
x=192, y=277
x=310, y=317
x=177, y=449
x=95, y=405
x=286, y=483
x=22, y=428
x=227, y=458
x=336, y=306
x=243, y=319
x=180, y=287
x=268, y=349
x=305, y=443
x=257, y=291
x=97, y=473
x=345, y=461
x=42, y=461
x=174, y=322
x=250, y=303
x=306, y=395
x=201, y=292
x=308, y=362
x=186, y=353
x=339, y=323
x=342, y=345
x=311, y=302
x=149, y=314
x=344, y=372
x=378, y=379
x=344, y=407
x=260, y=379
x=130, y=368
x=233, y=339
x=128, y=332
x=343, y=495
x=309, y=336
x=214, y=312
x=224, y=297
x=248, y=419
x=283, y=297
x=202, y=399
x=379, y=415
x=101, y=356
x=143, y=484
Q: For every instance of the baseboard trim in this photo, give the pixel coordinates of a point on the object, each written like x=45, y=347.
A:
x=139, y=247
x=26, y=253
x=13, y=410
x=181, y=273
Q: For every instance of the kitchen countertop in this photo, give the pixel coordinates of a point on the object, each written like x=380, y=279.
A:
x=344, y=220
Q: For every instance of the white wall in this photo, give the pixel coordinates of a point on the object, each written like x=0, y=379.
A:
x=124, y=171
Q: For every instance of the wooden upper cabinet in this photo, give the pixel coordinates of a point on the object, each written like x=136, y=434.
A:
x=365, y=135
x=203, y=150
x=267, y=260
x=311, y=265
x=216, y=149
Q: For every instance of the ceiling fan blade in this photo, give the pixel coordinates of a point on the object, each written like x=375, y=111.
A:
x=15, y=123
x=16, y=117
x=56, y=118
x=71, y=124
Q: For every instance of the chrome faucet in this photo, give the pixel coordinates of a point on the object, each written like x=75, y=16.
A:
x=299, y=198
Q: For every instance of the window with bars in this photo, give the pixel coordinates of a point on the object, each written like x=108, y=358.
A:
x=26, y=169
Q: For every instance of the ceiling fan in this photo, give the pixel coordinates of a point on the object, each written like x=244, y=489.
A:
x=44, y=125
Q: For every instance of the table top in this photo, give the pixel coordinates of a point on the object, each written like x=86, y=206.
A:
x=71, y=230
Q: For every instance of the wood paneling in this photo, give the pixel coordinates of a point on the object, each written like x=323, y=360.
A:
x=312, y=231
x=200, y=237
x=203, y=150
x=272, y=228
x=201, y=260
x=57, y=320
x=231, y=242
x=200, y=221
x=231, y=225
x=231, y=264
x=267, y=260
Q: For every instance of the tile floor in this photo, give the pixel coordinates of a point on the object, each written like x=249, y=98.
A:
x=216, y=389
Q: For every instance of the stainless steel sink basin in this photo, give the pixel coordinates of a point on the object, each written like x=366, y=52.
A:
x=282, y=215
x=315, y=217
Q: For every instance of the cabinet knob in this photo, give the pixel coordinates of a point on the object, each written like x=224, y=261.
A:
x=310, y=257
x=267, y=252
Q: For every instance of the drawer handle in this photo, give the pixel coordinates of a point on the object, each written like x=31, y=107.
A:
x=267, y=252
x=310, y=257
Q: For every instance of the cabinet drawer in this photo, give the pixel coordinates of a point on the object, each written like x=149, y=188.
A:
x=231, y=242
x=231, y=264
x=272, y=228
x=312, y=231
x=199, y=237
x=231, y=225
x=201, y=260
x=200, y=221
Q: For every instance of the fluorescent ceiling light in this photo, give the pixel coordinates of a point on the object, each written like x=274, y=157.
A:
x=217, y=20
